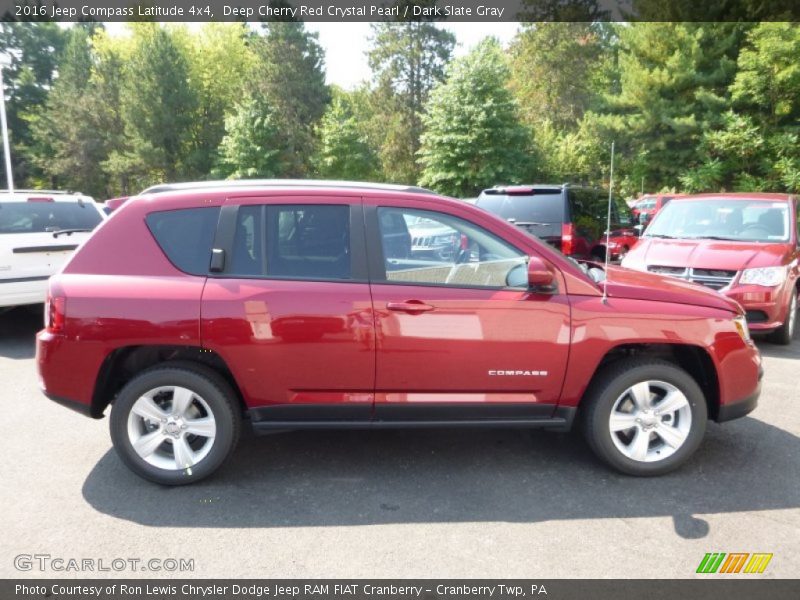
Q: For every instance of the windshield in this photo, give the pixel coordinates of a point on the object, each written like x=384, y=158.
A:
x=541, y=207
x=40, y=217
x=721, y=218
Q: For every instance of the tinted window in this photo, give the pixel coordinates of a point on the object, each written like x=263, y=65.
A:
x=423, y=247
x=292, y=241
x=540, y=207
x=186, y=236
x=38, y=217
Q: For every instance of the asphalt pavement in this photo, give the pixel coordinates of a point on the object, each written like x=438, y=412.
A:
x=413, y=503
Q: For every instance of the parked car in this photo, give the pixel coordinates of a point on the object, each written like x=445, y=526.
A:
x=39, y=230
x=650, y=205
x=743, y=245
x=570, y=218
x=291, y=305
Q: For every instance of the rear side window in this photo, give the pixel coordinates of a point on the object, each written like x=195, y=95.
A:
x=540, y=207
x=40, y=217
x=292, y=241
x=186, y=236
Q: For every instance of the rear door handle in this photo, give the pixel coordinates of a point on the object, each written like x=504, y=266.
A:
x=410, y=306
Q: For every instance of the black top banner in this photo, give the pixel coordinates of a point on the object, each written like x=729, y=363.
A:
x=400, y=10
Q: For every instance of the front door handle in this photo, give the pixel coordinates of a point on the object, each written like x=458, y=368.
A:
x=410, y=306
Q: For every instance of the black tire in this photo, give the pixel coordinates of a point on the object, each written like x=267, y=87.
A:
x=611, y=384
x=205, y=383
x=784, y=334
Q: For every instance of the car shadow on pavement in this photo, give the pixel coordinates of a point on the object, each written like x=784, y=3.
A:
x=336, y=478
x=18, y=328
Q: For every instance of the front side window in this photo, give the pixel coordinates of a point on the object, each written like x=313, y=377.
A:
x=430, y=248
x=292, y=241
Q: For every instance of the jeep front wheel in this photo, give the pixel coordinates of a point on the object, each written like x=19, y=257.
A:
x=644, y=417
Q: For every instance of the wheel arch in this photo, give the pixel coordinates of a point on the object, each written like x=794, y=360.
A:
x=695, y=360
x=123, y=363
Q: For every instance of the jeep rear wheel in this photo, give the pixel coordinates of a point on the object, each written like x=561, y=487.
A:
x=644, y=417
x=175, y=424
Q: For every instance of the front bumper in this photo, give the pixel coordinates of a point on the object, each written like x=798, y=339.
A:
x=742, y=407
x=765, y=307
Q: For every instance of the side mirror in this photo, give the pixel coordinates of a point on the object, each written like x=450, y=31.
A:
x=539, y=276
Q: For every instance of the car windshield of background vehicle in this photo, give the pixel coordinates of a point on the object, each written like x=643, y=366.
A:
x=540, y=207
x=40, y=217
x=735, y=220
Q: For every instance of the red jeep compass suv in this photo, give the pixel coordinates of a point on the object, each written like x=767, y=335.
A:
x=744, y=245
x=293, y=305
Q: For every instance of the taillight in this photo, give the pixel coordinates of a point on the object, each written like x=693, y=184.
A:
x=55, y=313
x=567, y=240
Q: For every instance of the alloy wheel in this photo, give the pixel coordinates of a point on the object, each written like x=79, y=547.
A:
x=650, y=421
x=171, y=427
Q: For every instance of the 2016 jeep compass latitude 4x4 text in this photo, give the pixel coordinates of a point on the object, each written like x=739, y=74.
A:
x=301, y=304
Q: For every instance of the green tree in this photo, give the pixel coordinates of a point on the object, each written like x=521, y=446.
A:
x=289, y=82
x=757, y=145
x=473, y=138
x=345, y=151
x=34, y=50
x=65, y=132
x=221, y=62
x=558, y=70
x=253, y=144
x=407, y=60
x=674, y=80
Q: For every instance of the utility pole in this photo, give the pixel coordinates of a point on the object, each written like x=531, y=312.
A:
x=4, y=62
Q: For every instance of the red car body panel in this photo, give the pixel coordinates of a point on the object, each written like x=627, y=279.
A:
x=732, y=256
x=290, y=343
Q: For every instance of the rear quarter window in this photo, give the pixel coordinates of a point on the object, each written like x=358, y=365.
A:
x=186, y=236
x=41, y=217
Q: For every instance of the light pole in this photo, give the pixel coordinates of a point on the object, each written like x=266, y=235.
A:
x=5, y=61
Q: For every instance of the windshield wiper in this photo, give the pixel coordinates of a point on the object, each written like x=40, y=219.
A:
x=69, y=231
x=717, y=237
x=535, y=223
x=662, y=236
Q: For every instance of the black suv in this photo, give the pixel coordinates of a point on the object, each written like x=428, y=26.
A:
x=570, y=218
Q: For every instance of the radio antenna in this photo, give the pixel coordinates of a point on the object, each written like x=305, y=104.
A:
x=608, y=223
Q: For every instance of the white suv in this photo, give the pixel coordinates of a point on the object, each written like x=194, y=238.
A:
x=39, y=230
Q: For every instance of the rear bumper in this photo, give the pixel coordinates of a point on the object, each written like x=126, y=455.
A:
x=67, y=372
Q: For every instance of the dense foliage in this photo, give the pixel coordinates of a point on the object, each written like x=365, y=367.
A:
x=691, y=106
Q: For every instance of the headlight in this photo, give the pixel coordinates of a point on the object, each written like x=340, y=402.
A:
x=766, y=276
x=741, y=326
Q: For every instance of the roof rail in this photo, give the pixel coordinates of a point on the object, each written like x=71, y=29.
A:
x=223, y=183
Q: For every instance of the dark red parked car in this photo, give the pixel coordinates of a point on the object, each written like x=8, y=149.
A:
x=290, y=305
x=744, y=245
